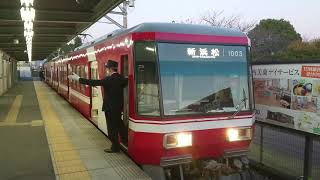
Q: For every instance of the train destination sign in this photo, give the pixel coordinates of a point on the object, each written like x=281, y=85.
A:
x=191, y=52
x=203, y=53
x=215, y=52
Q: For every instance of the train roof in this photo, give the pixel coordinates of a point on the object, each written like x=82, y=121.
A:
x=186, y=29
x=170, y=28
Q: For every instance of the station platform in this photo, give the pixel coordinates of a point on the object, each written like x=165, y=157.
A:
x=43, y=137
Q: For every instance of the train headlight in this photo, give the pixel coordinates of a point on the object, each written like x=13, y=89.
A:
x=233, y=134
x=177, y=140
x=238, y=134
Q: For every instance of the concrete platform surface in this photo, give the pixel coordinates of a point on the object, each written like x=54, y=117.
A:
x=43, y=137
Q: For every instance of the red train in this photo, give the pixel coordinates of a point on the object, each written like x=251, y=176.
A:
x=189, y=95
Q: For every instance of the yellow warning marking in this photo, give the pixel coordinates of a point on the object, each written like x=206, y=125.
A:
x=62, y=147
x=14, y=110
x=59, y=140
x=65, y=158
x=32, y=123
x=75, y=176
x=65, y=155
x=14, y=124
x=70, y=166
x=37, y=123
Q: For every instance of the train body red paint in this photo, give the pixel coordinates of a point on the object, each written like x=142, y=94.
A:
x=187, y=79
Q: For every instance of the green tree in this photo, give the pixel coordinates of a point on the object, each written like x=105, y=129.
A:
x=271, y=37
x=299, y=50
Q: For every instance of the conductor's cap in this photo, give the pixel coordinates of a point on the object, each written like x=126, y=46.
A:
x=111, y=64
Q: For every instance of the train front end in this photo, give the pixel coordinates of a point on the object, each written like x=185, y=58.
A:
x=193, y=104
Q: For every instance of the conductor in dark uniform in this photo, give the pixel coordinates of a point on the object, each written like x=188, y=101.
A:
x=113, y=86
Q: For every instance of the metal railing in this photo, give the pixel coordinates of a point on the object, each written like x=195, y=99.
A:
x=289, y=153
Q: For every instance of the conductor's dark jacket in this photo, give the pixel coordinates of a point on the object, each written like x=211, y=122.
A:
x=113, y=91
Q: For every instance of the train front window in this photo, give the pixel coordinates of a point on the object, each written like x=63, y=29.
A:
x=147, y=79
x=201, y=79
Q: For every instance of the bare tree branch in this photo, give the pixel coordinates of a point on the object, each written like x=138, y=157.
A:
x=217, y=18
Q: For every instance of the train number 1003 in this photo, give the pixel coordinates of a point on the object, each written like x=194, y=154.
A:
x=235, y=53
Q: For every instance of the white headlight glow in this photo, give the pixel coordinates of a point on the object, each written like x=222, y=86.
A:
x=233, y=134
x=176, y=140
x=238, y=134
x=184, y=139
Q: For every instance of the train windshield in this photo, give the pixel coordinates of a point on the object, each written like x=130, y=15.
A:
x=202, y=79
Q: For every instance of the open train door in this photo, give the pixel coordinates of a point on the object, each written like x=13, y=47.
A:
x=69, y=81
x=97, y=115
x=94, y=93
x=124, y=72
x=125, y=116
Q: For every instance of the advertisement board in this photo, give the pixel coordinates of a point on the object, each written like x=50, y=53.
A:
x=288, y=95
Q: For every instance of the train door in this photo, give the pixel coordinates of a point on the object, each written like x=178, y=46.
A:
x=1, y=74
x=97, y=115
x=69, y=82
x=5, y=76
x=125, y=116
x=9, y=74
x=124, y=72
x=57, y=77
x=51, y=75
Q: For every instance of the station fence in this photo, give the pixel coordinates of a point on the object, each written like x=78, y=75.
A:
x=285, y=153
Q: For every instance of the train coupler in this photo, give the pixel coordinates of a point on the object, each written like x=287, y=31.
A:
x=228, y=166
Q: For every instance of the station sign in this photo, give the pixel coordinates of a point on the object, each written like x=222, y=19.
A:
x=288, y=95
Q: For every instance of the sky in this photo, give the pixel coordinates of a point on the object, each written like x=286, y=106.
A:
x=303, y=15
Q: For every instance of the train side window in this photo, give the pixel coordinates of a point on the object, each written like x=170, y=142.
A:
x=147, y=80
x=94, y=74
x=86, y=73
x=77, y=82
x=73, y=81
x=82, y=75
x=124, y=68
x=61, y=75
x=94, y=70
x=69, y=72
x=65, y=74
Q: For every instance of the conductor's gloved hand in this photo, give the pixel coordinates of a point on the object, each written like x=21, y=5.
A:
x=74, y=76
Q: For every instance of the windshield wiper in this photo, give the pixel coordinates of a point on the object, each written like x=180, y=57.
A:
x=238, y=106
x=181, y=110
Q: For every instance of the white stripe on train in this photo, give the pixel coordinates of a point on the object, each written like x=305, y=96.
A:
x=189, y=120
x=64, y=87
x=194, y=126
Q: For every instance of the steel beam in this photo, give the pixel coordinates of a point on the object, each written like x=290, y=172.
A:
x=48, y=16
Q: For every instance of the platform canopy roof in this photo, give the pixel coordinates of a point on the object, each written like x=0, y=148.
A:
x=56, y=23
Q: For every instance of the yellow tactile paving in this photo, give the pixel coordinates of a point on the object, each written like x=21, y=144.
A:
x=75, y=176
x=14, y=110
x=59, y=140
x=62, y=147
x=71, y=163
x=66, y=159
x=70, y=166
x=65, y=156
